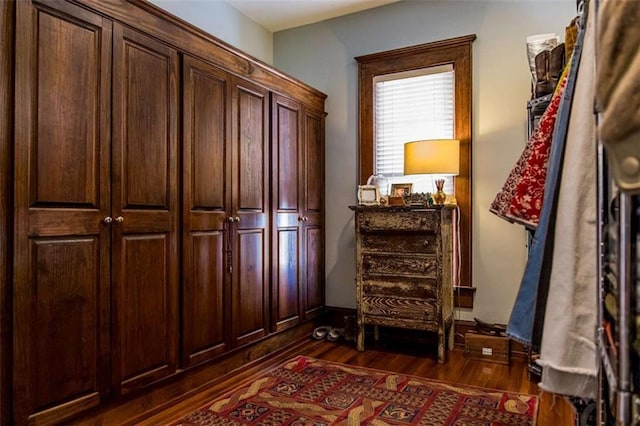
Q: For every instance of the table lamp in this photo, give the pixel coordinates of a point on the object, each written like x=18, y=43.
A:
x=433, y=157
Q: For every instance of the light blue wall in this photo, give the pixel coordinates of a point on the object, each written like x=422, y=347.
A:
x=322, y=55
x=223, y=21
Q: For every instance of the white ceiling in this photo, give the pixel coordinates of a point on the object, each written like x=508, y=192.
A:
x=277, y=15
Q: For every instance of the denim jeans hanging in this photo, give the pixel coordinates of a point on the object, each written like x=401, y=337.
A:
x=527, y=316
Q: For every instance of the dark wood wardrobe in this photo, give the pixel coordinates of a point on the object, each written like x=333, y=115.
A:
x=162, y=206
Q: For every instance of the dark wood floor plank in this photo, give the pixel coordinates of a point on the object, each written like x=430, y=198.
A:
x=513, y=378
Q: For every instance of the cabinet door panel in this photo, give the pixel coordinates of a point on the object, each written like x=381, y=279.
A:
x=61, y=195
x=312, y=282
x=65, y=291
x=286, y=139
x=207, y=101
x=250, y=293
x=204, y=322
x=67, y=150
x=145, y=150
x=143, y=308
x=206, y=200
x=145, y=194
x=145, y=123
x=288, y=217
x=313, y=162
x=252, y=149
x=286, y=282
x=250, y=208
x=314, y=271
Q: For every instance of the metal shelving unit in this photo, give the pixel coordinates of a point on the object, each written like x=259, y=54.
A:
x=617, y=334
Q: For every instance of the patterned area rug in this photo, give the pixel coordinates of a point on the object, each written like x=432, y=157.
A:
x=307, y=391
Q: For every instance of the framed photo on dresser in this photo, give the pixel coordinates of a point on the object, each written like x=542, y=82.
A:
x=400, y=189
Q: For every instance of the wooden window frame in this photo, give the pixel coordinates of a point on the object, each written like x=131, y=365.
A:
x=456, y=51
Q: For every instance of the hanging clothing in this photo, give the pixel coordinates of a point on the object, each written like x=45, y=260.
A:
x=527, y=316
x=502, y=200
x=524, y=178
x=526, y=200
x=568, y=352
x=618, y=89
x=570, y=35
x=520, y=199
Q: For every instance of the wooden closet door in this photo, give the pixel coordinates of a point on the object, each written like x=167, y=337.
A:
x=145, y=207
x=250, y=211
x=287, y=238
x=206, y=202
x=61, y=244
x=312, y=280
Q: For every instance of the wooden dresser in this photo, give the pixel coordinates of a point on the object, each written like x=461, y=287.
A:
x=404, y=272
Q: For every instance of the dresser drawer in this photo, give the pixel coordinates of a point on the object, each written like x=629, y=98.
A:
x=400, y=243
x=419, y=288
x=400, y=308
x=403, y=265
x=400, y=221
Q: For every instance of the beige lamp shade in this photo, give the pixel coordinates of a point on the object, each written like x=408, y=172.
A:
x=433, y=157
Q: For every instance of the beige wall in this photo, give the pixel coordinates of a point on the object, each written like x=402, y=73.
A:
x=322, y=55
x=225, y=22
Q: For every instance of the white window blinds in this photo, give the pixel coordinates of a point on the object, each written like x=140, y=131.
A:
x=411, y=106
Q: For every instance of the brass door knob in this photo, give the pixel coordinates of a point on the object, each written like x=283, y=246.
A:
x=107, y=220
x=119, y=219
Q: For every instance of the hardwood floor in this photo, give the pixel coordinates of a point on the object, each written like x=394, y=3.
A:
x=402, y=358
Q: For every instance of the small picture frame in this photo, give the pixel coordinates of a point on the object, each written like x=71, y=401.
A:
x=368, y=195
x=400, y=189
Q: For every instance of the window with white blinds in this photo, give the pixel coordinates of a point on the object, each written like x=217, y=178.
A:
x=410, y=106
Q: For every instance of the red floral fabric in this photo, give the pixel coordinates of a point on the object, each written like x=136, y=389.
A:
x=500, y=205
x=520, y=199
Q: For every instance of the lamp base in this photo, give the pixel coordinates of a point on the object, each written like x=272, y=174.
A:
x=439, y=197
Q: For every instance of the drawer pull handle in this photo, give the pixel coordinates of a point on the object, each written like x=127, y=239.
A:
x=423, y=221
x=426, y=243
